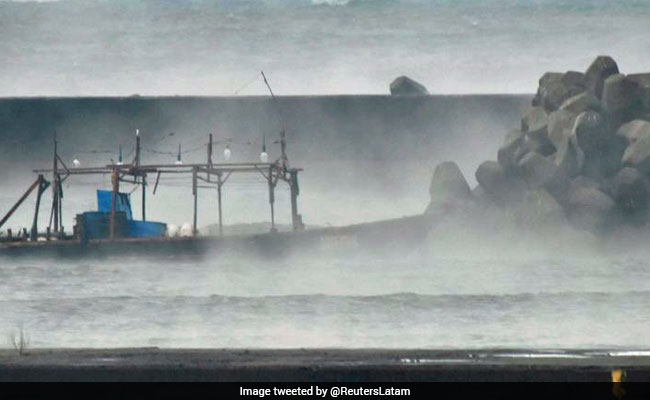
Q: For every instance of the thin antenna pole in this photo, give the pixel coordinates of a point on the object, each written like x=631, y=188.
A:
x=283, y=142
x=275, y=100
x=267, y=84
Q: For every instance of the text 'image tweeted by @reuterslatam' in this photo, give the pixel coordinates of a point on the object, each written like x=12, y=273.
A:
x=326, y=198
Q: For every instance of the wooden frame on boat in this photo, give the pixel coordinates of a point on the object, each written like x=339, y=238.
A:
x=209, y=173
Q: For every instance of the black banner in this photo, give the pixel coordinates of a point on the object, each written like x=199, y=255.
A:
x=385, y=390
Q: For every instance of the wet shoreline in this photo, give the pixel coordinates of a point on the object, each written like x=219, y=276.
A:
x=341, y=365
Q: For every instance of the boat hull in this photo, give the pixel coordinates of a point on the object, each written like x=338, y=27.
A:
x=381, y=236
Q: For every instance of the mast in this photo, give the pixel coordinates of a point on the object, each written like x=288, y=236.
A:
x=289, y=174
x=143, y=175
x=55, y=186
x=144, y=197
x=115, y=183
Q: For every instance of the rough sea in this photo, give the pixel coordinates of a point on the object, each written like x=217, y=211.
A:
x=582, y=297
x=218, y=47
x=595, y=301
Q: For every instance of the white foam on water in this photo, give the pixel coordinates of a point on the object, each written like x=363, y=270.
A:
x=540, y=355
x=630, y=353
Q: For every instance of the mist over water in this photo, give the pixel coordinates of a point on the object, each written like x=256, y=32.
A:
x=464, y=286
x=409, y=300
x=89, y=47
x=365, y=158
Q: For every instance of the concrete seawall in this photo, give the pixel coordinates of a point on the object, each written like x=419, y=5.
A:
x=365, y=157
x=380, y=127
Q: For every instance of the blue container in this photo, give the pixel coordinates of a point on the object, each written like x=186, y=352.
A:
x=140, y=229
x=96, y=224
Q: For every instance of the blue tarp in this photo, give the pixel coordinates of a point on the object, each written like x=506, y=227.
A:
x=138, y=229
x=105, y=202
x=123, y=204
x=96, y=225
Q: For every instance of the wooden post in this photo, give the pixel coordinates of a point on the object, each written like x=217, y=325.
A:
x=209, y=154
x=55, y=188
x=219, y=183
x=294, y=189
x=144, y=194
x=41, y=187
x=156, y=185
x=18, y=203
x=195, y=193
x=60, y=196
x=137, y=148
x=271, y=198
x=115, y=180
x=283, y=149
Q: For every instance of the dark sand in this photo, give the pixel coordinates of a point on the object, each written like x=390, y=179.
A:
x=153, y=364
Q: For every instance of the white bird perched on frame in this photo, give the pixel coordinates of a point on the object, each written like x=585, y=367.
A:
x=76, y=163
x=226, y=153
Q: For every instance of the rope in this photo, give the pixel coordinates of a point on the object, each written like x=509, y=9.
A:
x=92, y=152
x=247, y=85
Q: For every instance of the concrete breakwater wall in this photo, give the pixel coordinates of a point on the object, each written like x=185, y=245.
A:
x=371, y=154
x=318, y=127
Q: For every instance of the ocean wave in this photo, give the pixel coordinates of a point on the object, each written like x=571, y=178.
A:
x=402, y=297
x=483, y=3
x=330, y=2
x=545, y=320
x=356, y=2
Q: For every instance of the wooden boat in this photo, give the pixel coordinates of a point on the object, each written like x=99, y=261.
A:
x=401, y=234
x=112, y=240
